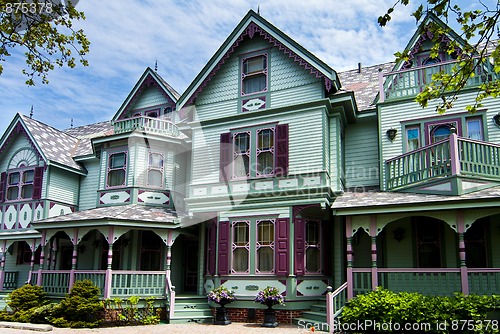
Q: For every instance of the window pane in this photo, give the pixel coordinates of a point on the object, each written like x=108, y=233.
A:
x=14, y=178
x=116, y=178
x=413, y=139
x=27, y=191
x=266, y=139
x=242, y=142
x=254, y=64
x=253, y=84
x=28, y=176
x=117, y=160
x=241, y=166
x=440, y=132
x=155, y=178
x=240, y=234
x=156, y=160
x=474, y=130
x=312, y=259
x=312, y=233
x=265, y=262
x=12, y=193
x=265, y=162
x=265, y=232
x=240, y=260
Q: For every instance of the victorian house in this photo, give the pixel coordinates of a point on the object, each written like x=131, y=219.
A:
x=271, y=169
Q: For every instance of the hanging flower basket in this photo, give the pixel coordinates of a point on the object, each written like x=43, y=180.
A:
x=221, y=296
x=270, y=296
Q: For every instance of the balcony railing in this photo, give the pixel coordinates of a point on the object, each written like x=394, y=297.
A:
x=410, y=82
x=453, y=156
x=147, y=124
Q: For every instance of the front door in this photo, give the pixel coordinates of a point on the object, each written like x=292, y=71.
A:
x=191, y=265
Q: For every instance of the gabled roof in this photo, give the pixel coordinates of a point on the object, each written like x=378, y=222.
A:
x=148, y=78
x=85, y=134
x=363, y=81
x=54, y=146
x=423, y=33
x=251, y=25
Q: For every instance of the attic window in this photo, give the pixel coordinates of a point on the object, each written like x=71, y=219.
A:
x=254, y=74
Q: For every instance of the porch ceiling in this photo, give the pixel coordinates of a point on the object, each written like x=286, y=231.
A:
x=351, y=203
x=132, y=214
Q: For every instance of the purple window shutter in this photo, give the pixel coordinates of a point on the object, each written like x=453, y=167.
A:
x=300, y=235
x=282, y=236
x=224, y=229
x=3, y=184
x=225, y=156
x=326, y=247
x=37, y=183
x=281, y=150
x=211, y=247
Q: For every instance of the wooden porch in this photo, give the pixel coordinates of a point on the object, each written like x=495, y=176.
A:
x=445, y=164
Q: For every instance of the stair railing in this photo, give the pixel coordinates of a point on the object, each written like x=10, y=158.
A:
x=335, y=302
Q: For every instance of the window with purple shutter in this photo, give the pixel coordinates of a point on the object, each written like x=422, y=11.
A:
x=3, y=181
x=225, y=157
x=224, y=230
x=299, y=231
x=281, y=150
x=211, y=247
x=37, y=183
x=282, y=237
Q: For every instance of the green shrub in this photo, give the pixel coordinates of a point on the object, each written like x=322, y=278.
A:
x=80, y=308
x=386, y=307
x=27, y=297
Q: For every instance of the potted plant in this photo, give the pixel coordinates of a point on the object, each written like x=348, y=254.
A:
x=221, y=296
x=270, y=296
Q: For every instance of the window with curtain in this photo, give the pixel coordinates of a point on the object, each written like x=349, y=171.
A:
x=117, y=169
x=241, y=165
x=412, y=138
x=265, y=246
x=20, y=184
x=475, y=128
x=241, y=247
x=254, y=75
x=155, y=169
x=313, y=247
x=265, y=151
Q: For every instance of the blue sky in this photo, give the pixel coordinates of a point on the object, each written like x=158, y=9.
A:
x=182, y=35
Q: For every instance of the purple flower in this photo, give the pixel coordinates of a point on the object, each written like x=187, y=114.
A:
x=221, y=294
x=270, y=296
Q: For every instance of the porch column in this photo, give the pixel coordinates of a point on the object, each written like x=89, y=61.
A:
x=109, y=270
x=2, y=265
x=350, y=258
x=464, y=277
x=32, y=260
x=373, y=236
x=169, y=288
x=42, y=258
x=73, y=259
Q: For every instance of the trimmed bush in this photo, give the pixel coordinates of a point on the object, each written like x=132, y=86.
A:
x=27, y=297
x=80, y=308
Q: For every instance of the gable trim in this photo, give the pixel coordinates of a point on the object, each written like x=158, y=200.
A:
x=20, y=128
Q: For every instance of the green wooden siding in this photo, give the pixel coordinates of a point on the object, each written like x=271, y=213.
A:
x=362, y=160
x=20, y=142
x=150, y=97
x=304, y=156
x=89, y=185
x=63, y=186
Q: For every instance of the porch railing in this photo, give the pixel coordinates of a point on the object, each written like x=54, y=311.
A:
x=335, y=302
x=123, y=283
x=429, y=281
x=10, y=280
x=147, y=124
x=410, y=82
x=453, y=156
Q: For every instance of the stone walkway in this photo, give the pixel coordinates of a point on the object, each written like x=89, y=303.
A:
x=234, y=328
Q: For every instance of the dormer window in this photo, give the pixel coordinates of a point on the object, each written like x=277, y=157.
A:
x=117, y=169
x=254, y=74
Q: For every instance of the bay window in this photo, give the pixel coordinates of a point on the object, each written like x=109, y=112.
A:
x=155, y=169
x=117, y=169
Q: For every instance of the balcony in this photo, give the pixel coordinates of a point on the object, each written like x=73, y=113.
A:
x=408, y=83
x=148, y=125
x=454, y=166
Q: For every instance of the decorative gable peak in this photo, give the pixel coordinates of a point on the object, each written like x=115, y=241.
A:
x=151, y=94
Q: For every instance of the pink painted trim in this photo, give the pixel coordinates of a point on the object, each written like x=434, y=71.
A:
x=408, y=270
